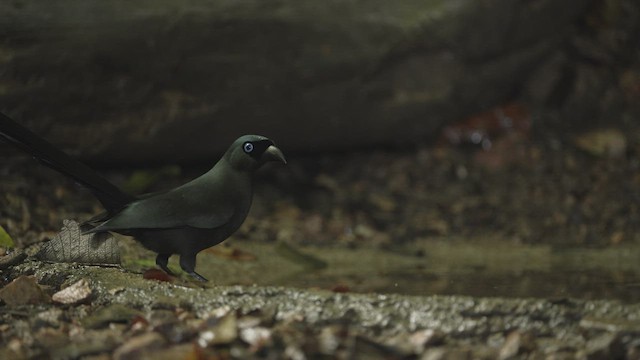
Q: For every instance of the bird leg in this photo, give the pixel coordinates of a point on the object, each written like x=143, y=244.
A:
x=161, y=261
x=188, y=264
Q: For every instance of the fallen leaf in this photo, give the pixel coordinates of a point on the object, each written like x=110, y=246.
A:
x=602, y=142
x=5, y=240
x=23, y=290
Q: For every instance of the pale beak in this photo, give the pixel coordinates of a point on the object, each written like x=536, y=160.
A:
x=273, y=154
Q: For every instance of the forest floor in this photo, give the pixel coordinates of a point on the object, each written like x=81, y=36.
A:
x=496, y=196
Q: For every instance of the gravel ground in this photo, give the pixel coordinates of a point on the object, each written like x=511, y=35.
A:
x=66, y=311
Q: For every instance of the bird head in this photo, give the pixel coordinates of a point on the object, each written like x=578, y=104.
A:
x=249, y=152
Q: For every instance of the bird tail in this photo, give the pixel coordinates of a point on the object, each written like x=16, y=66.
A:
x=108, y=194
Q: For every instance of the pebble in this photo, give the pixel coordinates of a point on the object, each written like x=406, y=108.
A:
x=517, y=342
x=218, y=331
x=14, y=258
x=256, y=337
x=137, y=346
x=50, y=317
x=79, y=292
x=116, y=313
x=605, y=346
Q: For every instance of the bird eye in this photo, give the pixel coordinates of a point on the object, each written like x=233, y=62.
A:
x=247, y=147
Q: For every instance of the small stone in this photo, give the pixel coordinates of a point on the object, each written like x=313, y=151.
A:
x=517, y=342
x=416, y=342
x=330, y=338
x=14, y=349
x=139, y=345
x=23, y=290
x=51, y=338
x=440, y=353
x=167, y=323
x=116, y=313
x=383, y=202
x=51, y=317
x=14, y=258
x=116, y=290
x=633, y=350
x=77, y=293
x=257, y=337
x=602, y=143
x=183, y=351
x=248, y=321
x=367, y=348
x=605, y=346
x=159, y=317
x=86, y=342
x=222, y=330
x=176, y=332
x=434, y=354
x=424, y=338
x=294, y=353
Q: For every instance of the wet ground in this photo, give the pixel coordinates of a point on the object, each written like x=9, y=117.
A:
x=446, y=268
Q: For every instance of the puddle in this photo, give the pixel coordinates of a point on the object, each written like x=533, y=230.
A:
x=447, y=268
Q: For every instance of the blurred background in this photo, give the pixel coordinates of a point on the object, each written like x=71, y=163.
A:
x=436, y=147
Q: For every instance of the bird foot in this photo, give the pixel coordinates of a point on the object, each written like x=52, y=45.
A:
x=166, y=269
x=197, y=276
x=162, y=260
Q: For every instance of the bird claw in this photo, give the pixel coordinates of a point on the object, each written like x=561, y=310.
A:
x=197, y=276
x=166, y=269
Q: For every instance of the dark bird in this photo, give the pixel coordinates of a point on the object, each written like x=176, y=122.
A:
x=183, y=221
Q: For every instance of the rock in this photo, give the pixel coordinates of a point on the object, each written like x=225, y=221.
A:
x=51, y=317
x=14, y=350
x=516, y=343
x=425, y=338
x=633, y=350
x=605, y=346
x=167, y=323
x=330, y=338
x=602, y=143
x=343, y=75
x=219, y=330
x=446, y=354
x=257, y=337
x=366, y=348
x=79, y=292
x=177, y=332
x=84, y=343
x=23, y=290
x=116, y=313
x=135, y=348
x=417, y=342
x=183, y=351
x=12, y=259
x=50, y=338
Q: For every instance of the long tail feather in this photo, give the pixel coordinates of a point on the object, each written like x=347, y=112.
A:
x=108, y=194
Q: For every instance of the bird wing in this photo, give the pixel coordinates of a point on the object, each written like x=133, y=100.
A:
x=173, y=209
